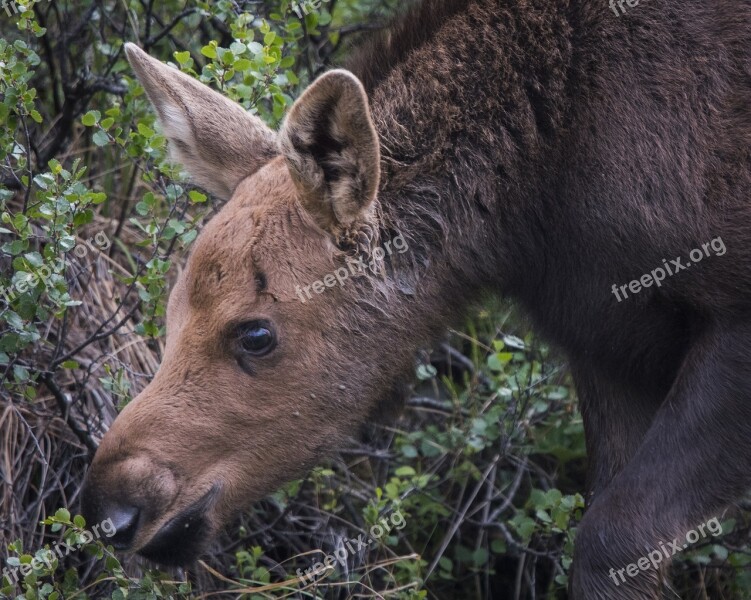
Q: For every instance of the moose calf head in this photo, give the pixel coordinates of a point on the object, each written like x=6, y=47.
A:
x=255, y=385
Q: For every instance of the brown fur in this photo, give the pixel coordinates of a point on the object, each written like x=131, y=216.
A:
x=545, y=150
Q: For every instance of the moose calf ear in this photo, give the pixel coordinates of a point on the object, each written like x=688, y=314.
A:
x=214, y=138
x=332, y=150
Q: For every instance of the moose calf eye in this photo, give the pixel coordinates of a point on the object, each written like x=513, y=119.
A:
x=257, y=338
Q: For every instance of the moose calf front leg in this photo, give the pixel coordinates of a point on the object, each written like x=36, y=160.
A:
x=615, y=423
x=694, y=461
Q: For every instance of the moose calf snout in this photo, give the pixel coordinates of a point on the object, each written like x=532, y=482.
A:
x=133, y=493
x=124, y=519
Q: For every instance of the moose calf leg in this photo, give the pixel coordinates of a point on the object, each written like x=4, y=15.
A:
x=615, y=423
x=694, y=461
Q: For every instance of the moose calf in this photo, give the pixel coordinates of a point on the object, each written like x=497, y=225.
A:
x=543, y=150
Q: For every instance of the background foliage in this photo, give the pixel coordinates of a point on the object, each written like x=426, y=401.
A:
x=487, y=461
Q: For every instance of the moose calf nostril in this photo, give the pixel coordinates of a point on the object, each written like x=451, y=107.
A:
x=125, y=522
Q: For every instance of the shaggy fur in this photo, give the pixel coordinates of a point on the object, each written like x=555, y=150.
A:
x=544, y=150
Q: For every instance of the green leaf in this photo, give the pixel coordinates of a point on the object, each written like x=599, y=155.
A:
x=196, y=196
x=543, y=516
x=480, y=557
x=91, y=118
x=63, y=514
x=426, y=372
x=405, y=471
x=720, y=552
x=20, y=373
x=101, y=138
x=145, y=131
x=34, y=259
x=409, y=451
x=15, y=247
x=188, y=236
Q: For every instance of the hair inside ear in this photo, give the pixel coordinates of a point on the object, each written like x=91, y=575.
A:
x=332, y=150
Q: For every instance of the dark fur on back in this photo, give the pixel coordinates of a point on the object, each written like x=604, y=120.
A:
x=376, y=57
x=552, y=149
